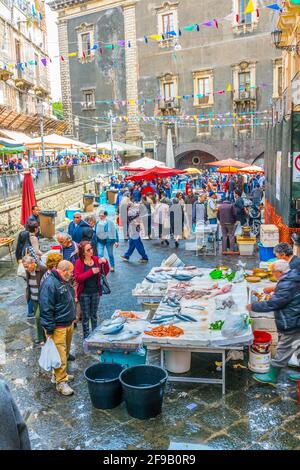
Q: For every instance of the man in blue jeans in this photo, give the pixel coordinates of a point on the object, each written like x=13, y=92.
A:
x=134, y=229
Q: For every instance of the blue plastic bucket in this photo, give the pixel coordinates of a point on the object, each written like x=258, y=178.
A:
x=265, y=254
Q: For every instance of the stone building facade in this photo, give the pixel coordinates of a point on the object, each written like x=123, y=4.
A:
x=212, y=84
x=24, y=79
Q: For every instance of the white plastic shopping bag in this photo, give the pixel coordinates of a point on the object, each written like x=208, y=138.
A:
x=49, y=358
x=238, y=230
x=21, y=271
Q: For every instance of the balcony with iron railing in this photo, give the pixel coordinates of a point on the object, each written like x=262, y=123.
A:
x=169, y=104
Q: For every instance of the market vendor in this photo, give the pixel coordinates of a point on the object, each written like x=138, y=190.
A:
x=285, y=251
x=285, y=302
x=34, y=217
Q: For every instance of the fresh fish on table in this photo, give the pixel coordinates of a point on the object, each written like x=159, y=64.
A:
x=111, y=330
x=113, y=321
x=185, y=317
x=194, y=307
x=157, y=278
x=223, y=290
x=125, y=336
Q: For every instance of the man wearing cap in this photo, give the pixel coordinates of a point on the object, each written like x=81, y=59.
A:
x=212, y=208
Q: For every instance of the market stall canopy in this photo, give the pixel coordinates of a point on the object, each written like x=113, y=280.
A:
x=142, y=164
x=15, y=136
x=9, y=143
x=252, y=169
x=227, y=163
x=117, y=146
x=154, y=173
x=228, y=169
x=193, y=171
x=12, y=150
x=21, y=122
x=54, y=141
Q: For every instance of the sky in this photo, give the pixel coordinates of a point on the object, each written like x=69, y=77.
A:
x=53, y=50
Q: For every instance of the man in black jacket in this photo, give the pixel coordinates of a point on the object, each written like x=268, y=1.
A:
x=285, y=302
x=57, y=304
x=13, y=430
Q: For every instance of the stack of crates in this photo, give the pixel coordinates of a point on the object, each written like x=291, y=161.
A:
x=269, y=238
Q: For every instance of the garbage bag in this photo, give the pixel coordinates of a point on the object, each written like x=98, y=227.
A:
x=235, y=325
x=49, y=358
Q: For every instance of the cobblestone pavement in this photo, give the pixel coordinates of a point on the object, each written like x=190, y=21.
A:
x=250, y=416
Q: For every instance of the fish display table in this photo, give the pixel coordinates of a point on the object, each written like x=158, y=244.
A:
x=202, y=311
x=154, y=287
x=129, y=338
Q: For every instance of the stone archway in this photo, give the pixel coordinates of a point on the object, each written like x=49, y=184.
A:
x=195, y=155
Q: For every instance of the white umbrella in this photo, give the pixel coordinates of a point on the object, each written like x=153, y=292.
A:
x=252, y=169
x=117, y=146
x=145, y=163
x=55, y=141
x=170, y=159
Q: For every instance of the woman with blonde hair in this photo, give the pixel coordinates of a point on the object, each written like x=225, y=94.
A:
x=52, y=261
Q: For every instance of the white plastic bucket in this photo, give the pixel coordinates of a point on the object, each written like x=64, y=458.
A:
x=178, y=362
x=259, y=363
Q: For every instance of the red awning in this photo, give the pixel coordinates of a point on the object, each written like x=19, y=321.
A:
x=28, y=198
x=155, y=173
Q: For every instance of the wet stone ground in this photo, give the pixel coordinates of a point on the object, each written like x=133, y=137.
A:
x=250, y=416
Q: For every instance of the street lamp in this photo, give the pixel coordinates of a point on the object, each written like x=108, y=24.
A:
x=277, y=38
x=41, y=112
x=112, y=141
x=76, y=124
x=96, y=129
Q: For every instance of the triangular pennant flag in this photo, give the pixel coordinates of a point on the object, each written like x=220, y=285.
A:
x=216, y=23
x=157, y=37
x=101, y=50
x=229, y=88
x=84, y=55
x=190, y=28
x=44, y=62
x=172, y=33
x=250, y=7
x=62, y=58
x=257, y=13
x=146, y=39
x=122, y=43
x=94, y=47
x=179, y=32
x=274, y=6
x=198, y=27
x=208, y=23
x=129, y=44
x=237, y=18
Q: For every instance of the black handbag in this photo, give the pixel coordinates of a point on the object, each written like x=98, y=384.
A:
x=104, y=283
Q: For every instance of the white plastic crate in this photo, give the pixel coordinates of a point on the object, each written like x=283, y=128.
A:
x=246, y=249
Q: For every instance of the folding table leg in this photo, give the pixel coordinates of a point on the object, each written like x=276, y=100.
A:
x=162, y=358
x=223, y=372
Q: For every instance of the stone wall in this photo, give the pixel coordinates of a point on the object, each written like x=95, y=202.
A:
x=58, y=200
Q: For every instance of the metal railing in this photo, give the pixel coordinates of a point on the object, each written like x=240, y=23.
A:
x=50, y=178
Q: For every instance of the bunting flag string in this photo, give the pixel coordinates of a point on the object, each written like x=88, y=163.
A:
x=153, y=37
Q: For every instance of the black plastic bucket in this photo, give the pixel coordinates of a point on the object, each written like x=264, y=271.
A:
x=143, y=390
x=104, y=385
